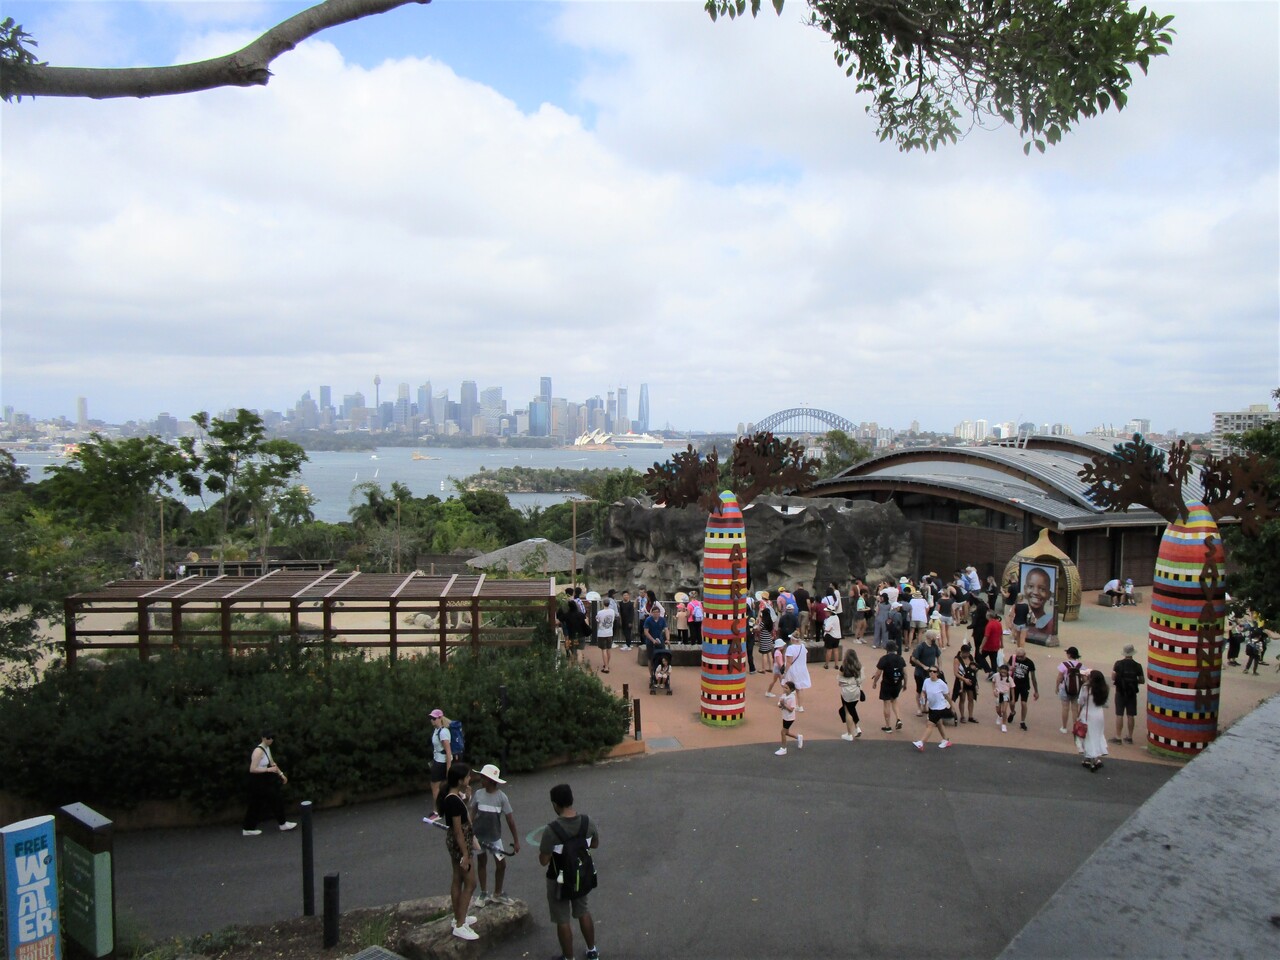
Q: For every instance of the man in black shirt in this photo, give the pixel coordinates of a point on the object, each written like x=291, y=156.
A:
x=1127, y=676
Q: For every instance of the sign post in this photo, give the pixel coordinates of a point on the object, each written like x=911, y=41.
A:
x=86, y=840
x=31, y=923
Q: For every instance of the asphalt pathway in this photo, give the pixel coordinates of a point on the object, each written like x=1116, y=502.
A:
x=864, y=849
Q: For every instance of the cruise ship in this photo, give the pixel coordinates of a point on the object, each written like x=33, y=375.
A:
x=599, y=440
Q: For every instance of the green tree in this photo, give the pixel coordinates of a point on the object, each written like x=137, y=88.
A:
x=242, y=466
x=931, y=67
x=936, y=68
x=42, y=560
x=124, y=485
x=839, y=452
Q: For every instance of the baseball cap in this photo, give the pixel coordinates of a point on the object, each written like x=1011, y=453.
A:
x=437, y=714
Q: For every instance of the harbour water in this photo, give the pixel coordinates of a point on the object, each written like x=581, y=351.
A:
x=333, y=476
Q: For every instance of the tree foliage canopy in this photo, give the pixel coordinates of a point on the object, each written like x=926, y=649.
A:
x=933, y=68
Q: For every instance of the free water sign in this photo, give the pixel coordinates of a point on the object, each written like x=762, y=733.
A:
x=31, y=929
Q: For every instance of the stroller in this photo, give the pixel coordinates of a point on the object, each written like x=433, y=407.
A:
x=659, y=669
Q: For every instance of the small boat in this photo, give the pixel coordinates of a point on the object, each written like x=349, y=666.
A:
x=373, y=456
x=375, y=474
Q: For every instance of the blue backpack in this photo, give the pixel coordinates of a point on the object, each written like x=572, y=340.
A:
x=457, y=742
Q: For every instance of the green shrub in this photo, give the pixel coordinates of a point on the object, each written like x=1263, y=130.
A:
x=181, y=726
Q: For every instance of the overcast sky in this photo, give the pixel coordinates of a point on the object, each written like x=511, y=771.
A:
x=618, y=193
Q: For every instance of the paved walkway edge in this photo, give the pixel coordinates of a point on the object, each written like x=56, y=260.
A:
x=1193, y=873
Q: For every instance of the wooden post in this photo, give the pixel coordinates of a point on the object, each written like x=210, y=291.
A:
x=144, y=630
x=393, y=629
x=225, y=626
x=176, y=616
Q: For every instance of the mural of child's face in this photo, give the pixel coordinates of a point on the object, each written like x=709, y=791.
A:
x=1037, y=590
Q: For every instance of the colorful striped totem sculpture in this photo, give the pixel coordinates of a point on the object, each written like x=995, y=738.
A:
x=1184, y=641
x=724, y=587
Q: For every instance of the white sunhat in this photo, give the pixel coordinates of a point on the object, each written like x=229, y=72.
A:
x=490, y=772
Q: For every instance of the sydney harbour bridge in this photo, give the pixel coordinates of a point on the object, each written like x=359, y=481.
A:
x=802, y=421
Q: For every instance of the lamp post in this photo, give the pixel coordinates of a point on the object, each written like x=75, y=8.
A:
x=573, y=573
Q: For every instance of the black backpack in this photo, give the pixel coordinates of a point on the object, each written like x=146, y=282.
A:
x=896, y=675
x=576, y=871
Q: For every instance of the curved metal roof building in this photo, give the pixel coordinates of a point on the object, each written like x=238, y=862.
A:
x=981, y=504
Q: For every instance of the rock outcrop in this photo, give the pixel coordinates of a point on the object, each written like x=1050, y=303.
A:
x=790, y=540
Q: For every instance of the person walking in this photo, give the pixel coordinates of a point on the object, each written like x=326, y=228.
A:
x=797, y=667
x=945, y=610
x=266, y=798
x=830, y=635
x=489, y=806
x=606, y=617
x=627, y=619
x=940, y=709
x=1002, y=692
x=567, y=824
x=787, y=704
x=1070, y=677
x=880, y=631
x=893, y=670
x=1021, y=619
x=861, y=614
x=850, y=683
x=966, y=684
x=925, y=655
x=697, y=613
x=460, y=842
x=992, y=644
x=1024, y=682
x=1093, y=703
x=1127, y=676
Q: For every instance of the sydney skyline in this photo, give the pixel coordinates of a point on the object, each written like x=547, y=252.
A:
x=617, y=193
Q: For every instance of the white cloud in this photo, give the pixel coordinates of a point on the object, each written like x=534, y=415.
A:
x=722, y=224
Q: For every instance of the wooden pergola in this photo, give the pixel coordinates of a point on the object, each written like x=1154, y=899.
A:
x=458, y=606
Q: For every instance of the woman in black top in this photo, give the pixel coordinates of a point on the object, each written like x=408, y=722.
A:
x=461, y=844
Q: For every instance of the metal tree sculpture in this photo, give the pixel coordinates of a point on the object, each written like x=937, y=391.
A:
x=1188, y=593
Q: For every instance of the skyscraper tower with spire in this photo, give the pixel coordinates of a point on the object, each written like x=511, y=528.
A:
x=377, y=399
x=642, y=413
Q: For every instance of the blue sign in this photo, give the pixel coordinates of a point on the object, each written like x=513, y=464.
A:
x=31, y=891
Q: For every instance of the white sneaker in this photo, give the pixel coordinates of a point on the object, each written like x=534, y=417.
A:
x=288, y=825
x=1062, y=729
x=471, y=918
x=858, y=734
x=1003, y=728
x=780, y=752
x=944, y=744
x=918, y=744
x=464, y=932
x=799, y=709
x=800, y=741
x=250, y=833
x=482, y=898
x=846, y=736
x=768, y=694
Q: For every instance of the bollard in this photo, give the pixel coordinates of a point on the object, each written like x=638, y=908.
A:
x=308, y=863
x=330, y=910
x=635, y=708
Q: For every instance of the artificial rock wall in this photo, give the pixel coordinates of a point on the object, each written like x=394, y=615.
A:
x=790, y=540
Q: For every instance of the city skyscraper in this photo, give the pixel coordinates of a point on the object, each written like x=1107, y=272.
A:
x=544, y=389
x=82, y=413
x=326, y=397
x=624, y=424
x=492, y=408
x=424, y=401
x=440, y=409
x=642, y=414
x=377, y=391
x=470, y=401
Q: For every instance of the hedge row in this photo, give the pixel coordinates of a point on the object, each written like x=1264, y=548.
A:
x=181, y=726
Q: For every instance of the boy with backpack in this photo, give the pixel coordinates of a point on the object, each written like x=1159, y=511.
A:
x=565, y=851
x=1070, y=677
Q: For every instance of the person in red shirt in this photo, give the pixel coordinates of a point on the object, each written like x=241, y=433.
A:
x=992, y=641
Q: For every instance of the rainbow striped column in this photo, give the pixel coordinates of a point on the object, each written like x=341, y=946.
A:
x=1184, y=641
x=724, y=585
